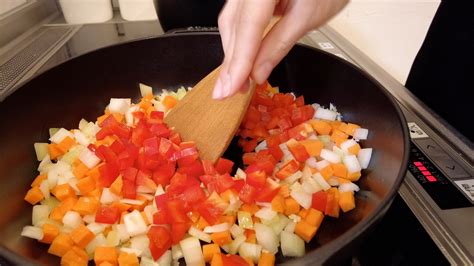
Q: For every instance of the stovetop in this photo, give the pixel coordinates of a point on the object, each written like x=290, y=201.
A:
x=429, y=223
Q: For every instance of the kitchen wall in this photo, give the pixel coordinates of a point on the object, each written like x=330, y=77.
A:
x=390, y=32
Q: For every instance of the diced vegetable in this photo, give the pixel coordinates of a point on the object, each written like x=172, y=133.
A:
x=193, y=254
x=291, y=245
x=266, y=237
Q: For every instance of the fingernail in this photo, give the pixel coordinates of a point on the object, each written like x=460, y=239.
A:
x=217, y=92
x=263, y=72
x=226, y=85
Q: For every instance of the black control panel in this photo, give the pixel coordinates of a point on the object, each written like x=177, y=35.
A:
x=435, y=183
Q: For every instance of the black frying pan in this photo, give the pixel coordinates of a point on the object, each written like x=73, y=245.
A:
x=82, y=87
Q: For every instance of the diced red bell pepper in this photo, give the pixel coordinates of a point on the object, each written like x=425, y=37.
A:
x=266, y=194
x=163, y=174
x=108, y=173
x=176, y=211
x=209, y=212
x=224, y=182
x=178, y=230
x=117, y=147
x=150, y=146
x=247, y=194
x=285, y=123
x=276, y=152
x=299, y=101
x=224, y=166
x=288, y=169
x=257, y=179
x=209, y=168
x=297, y=150
x=161, y=216
x=107, y=215
x=319, y=201
x=160, y=240
x=193, y=194
x=195, y=169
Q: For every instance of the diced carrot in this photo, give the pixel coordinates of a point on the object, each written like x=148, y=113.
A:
x=230, y=219
x=266, y=259
x=342, y=180
x=339, y=169
x=354, y=176
x=66, y=144
x=106, y=263
x=105, y=254
x=302, y=213
x=221, y=238
x=284, y=191
x=50, y=232
x=335, y=124
x=227, y=195
x=313, y=147
x=326, y=172
x=278, y=204
x=250, y=208
x=148, y=97
x=64, y=191
x=248, y=260
x=354, y=149
x=321, y=127
x=118, y=117
x=116, y=186
x=94, y=173
x=338, y=136
x=34, y=195
x=314, y=217
x=128, y=259
x=86, y=205
x=80, y=252
x=209, y=250
x=194, y=216
x=350, y=128
x=201, y=223
x=94, y=193
x=86, y=185
x=54, y=151
x=67, y=204
x=169, y=102
x=250, y=235
x=71, y=258
x=346, y=201
x=291, y=206
x=217, y=260
x=121, y=206
x=255, y=219
x=332, y=204
x=38, y=180
x=101, y=118
x=80, y=170
x=56, y=214
x=82, y=236
x=144, y=104
x=305, y=230
x=61, y=244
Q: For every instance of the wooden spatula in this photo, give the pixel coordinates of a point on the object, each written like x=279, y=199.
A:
x=210, y=123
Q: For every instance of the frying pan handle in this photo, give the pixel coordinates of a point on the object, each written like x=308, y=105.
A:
x=193, y=30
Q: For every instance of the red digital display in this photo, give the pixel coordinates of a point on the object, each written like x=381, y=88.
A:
x=431, y=178
x=422, y=168
x=425, y=173
x=418, y=164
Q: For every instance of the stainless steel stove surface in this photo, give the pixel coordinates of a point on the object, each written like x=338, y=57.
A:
x=430, y=223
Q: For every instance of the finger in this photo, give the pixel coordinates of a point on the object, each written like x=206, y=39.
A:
x=299, y=17
x=254, y=17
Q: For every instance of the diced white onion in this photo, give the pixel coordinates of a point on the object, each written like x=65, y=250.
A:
x=90, y=130
x=89, y=218
x=96, y=228
x=176, y=252
x=352, y=164
x=119, y=105
x=347, y=144
x=216, y=228
x=45, y=162
x=113, y=239
x=32, y=232
x=344, y=187
x=235, y=244
x=295, y=218
x=330, y=156
x=290, y=227
x=122, y=231
x=132, y=202
x=311, y=162
x=321, y=181
x=266, y=213
x=325, y=114
x=149, y=210
x=132, y=251
x=236, y=231
x=145, y=261
x=99, y=241
x=129, y=118
x=193, y=231
x=193, y=253
x=364, y=157
x=261, y=146
x=40, y=215
x=81, y=138
x=145, y=191
x=134, y=223
x=60, y=135
x=44, y=187
x=72, y=219
x=361, y=133
x=266, y=237
x=240, y=174
x=142, y=243
x=304, y=199
x=251, y=251
x=165, y=259
x=291, y=245
x=145, y=89
x=310, y=185
x=280, y=224
x=41, y=150
x=89, y=158
x=82, y=123
x=333, y=181
x=322, y=164
x=108, y=197
x=294, y=177
x=245, y=220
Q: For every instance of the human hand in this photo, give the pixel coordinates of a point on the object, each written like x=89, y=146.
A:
x=242, y=24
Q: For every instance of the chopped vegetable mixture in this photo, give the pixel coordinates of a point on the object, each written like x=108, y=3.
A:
x=126, y=190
